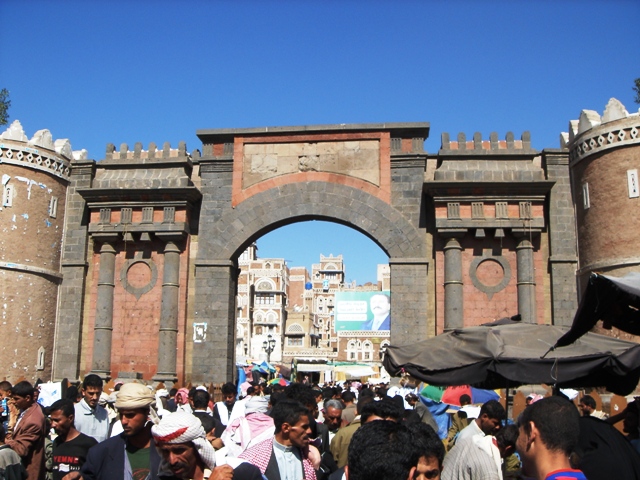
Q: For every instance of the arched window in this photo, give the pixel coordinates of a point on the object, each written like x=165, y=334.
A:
x=352, y=350
x=367, y=350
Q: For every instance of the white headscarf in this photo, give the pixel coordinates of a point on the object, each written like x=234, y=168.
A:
x=183, y=427
x=136, y=395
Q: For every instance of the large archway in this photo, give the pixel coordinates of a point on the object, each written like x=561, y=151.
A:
x=222, y=241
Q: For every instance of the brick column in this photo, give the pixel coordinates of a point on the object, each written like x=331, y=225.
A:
x=168, y=334
x=408, y=300
x=526, y=281
x=103, y=328
x=453, y=294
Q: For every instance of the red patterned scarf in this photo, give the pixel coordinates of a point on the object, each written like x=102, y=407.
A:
x=260, y=454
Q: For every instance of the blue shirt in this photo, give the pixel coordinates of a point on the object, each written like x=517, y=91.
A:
x=93, y=422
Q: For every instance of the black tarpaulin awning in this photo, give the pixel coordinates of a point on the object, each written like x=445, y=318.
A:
x=614, y=300
x=499, y=356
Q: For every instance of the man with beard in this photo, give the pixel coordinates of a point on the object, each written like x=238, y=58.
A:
x=132, y=454
x=286, y=455
x=187, y=454
x=70, y=447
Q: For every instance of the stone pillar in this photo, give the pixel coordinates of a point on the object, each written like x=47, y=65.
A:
x=563, y=259
x=526, y=281
x=168, y=334
x=453, y=294
x=66, y=352
x=213, y=357
x=103, y=328
x=408, y=300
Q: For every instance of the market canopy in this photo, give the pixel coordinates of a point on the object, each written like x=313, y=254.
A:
x=513, y=354
x=614, y=300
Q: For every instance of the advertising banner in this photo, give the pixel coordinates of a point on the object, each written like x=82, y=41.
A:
x=362, y=311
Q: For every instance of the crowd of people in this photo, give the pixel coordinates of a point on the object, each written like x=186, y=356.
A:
x=301, y=431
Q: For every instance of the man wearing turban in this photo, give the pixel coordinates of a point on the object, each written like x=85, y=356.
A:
x=188, y=455
x=132, y=454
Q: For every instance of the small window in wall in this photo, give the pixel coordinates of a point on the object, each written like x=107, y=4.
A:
x=632, y=179
x=40, y=361
x=586, y=203
x=7, y=195
x=53, y=207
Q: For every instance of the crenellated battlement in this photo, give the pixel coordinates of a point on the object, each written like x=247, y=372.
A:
x=481, y=146
x=592, y=133
x=152, y=154
x=40, y=152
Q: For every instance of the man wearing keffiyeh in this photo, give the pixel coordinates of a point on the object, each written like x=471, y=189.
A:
x=188, y=455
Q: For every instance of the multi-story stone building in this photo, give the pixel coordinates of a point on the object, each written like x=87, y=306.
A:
x=147, y=278
x=311, y=329
x=263, y=286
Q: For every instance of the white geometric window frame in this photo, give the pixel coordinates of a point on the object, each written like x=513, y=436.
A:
x=53, y=207
x=8, y=193
x=632, y=181
x=586, y=202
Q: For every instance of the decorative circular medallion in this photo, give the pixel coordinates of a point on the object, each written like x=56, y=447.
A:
x=138, y=276
x=490, y=274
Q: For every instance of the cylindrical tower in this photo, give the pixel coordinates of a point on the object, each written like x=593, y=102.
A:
x=34, y=175
x=604, y=166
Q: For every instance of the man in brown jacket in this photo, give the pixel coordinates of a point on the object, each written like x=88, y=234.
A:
x=27, y=429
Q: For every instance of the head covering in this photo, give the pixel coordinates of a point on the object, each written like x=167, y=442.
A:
x=183, y=427
x=136, y=395
x=256, y=405
x=182, y=396
x=104, y=398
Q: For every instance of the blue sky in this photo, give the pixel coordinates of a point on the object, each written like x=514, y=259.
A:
x=142, y=71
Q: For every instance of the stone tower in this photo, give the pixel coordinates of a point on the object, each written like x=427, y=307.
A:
x=604, y=163
x=35, y=175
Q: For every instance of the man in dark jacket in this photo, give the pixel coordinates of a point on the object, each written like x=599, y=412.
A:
x=132, y=454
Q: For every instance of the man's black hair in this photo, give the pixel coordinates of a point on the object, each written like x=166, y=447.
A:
x=385, y=408
x=251, y=391
x=288, y=411
x=493, y=409
x=465, y=399
x=328, y=393
x=276, y=397
x=362, y=401
x=172, y=392
x=348, y=397
x=72, y=393
x=23, y=389
x=5, y=386
x=557, y=420
x=228, y=389
x=589, y=401
x=427, y=441
x=92, y=380
x=382, y=450
x=507, y=437
x=302, y=393
x=201, y=399
x=366, y=392
x=192, y=390
x=66, y=406
x=3, y=434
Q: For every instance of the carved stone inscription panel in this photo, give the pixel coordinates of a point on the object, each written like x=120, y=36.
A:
x=359, y=158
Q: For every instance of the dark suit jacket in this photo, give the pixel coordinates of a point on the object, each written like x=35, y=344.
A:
x=27, y=441
x=385, y=325
x=105, y=461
